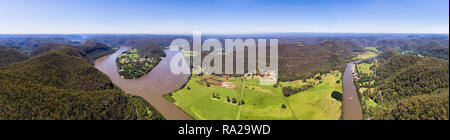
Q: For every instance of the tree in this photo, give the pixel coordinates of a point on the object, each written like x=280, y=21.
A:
x=234, y=101
x=318, y=78
x=337, y=95
x=288, y=91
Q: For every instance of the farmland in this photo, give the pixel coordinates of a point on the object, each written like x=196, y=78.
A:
x=241, y=98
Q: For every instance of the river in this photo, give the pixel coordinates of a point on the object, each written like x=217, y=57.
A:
x=352, y=105
x=152, y=86
x=161, y=81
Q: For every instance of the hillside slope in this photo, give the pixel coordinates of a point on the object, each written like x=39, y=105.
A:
x=411, y=88
x=11, y=55
x=304, y=61
x=56, y=86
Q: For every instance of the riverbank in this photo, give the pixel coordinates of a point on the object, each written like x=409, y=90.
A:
x=152, y=86
x=352, y=106
x=131, y=65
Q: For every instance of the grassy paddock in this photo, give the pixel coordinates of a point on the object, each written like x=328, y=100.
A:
x=260, y=102
x=364, y=68
x=370, y=52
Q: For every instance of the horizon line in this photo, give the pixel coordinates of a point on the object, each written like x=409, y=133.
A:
x=243, y=33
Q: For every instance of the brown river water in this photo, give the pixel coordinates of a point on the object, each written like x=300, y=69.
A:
x=352, y=106
x=162, y=81
x=152, y=86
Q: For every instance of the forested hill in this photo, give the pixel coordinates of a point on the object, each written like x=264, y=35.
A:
x=89, y=50
x=412, y=87
x=298, y=61
x=60, y=70
x=94, y=50
x=396, y=64
x=151, y=48
x=11, y=55
x=434, y=49
x=29, y=43
x=66, y=49
x=56, y=86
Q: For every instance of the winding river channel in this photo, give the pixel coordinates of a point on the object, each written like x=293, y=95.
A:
x=152, y=86
x=352, y=106
x=161, y=81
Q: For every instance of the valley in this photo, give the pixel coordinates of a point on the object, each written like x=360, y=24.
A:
x=327, y=80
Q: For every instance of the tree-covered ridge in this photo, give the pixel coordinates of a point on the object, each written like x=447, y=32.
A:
x=423, y=77
x=297, y=61
x=62, y=71
x=11, y=55
x=434, y=49
x=38, y=102
x=57, y=86
x=424, y=107
x=63, y=48
x=89, y=50
x=408, y=88
x=152, y=49
x=94, y=50
x=29, y=43
x=396, y=64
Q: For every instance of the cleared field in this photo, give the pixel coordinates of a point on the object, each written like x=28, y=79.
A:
x=365, y=55
x=316, y=103
x=258, y=102
x=364, y=68
x=197, y=100
x=370, y=52
x=264, y=103
x=373, y=49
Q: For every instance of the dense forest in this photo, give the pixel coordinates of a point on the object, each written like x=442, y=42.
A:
x=52, y=77
x=410, y=88
x=28, y=43
x=297, y=61
x=89, y=50
x=11, y=55
x=60, y=84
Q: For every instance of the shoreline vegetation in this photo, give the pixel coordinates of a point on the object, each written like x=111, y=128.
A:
x=131, y=65
x=396, y=86
x=139, y=61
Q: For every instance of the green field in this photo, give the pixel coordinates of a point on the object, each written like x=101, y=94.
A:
x=370, y=52
x=316, y=103
x=373, y=49
x=364, y=68
x=260, y=102
x=365, y=55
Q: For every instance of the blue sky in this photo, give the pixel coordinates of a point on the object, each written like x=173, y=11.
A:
x=223, y=16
